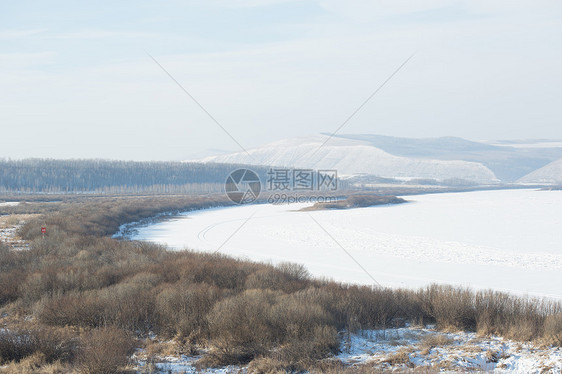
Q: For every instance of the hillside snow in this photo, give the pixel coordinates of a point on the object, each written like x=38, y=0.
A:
x=354, y=157
x=551, y=173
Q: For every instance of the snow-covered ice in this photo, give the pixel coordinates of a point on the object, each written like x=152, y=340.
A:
x=507, y=240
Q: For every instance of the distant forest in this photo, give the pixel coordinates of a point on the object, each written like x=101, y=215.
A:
x=104, y=176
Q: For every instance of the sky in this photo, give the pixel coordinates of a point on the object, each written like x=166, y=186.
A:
x=77, y=79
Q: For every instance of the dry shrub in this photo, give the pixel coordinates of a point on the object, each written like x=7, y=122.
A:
x=16, y=345
x=7, y=256
x=10, y=282
x=240, y=328
x=182, y=310
x=146, y=280
x=502, y=314
x=452, y=308
x=256, y=322
x=513, y=317
x=493, y=308
x=328, y=298
x=301, y=353
x=267, y=279
x=287, y=277
x=553, y=329
x=51, y=345
x=294, y=271
x=219, y=271
x=126, y=305
x=360, y=307
x=523, y=330
x=129, y=306
x=105, y=351
x=294, y=318
x=84, y=310
x=39, y=284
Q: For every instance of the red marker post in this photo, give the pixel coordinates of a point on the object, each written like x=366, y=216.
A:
x=43, y=231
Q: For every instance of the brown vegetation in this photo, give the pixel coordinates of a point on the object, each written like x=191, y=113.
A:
x=105, y=351
x=433, y=341
x=53, y=345
x=356, y=201
x=103, y=293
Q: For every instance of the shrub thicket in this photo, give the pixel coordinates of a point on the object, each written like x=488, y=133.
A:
x=52, y=344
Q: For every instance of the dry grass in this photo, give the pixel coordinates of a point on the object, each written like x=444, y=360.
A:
x=267, y=365
x=553, y=330
x=435, y=340
x=400, y=358
x=15, y=219
x=36, y=364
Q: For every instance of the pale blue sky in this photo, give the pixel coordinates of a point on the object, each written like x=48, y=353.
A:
x=76, y=81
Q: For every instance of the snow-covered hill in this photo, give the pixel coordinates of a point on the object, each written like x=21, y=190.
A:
x=551, y=173
x=354, y=157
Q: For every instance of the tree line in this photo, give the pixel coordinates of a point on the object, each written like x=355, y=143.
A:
x=107, y=176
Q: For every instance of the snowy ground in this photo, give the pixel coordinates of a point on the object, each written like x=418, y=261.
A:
x=407, y=348
x=8, y=232
x=507, y=240
x=410, y=348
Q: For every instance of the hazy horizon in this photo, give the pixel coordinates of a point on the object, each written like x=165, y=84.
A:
x=78, y=82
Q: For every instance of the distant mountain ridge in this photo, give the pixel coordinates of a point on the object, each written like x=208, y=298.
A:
x=394, y=157
x=508, y=162
x=354, y=157
x=549, y=174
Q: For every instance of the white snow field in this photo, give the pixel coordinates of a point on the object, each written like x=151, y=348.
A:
x=508, y=240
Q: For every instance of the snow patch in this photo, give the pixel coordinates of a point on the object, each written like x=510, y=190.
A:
x=457, y=352
x=408, y=348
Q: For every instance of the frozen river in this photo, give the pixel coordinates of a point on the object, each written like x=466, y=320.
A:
x=507, y=240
